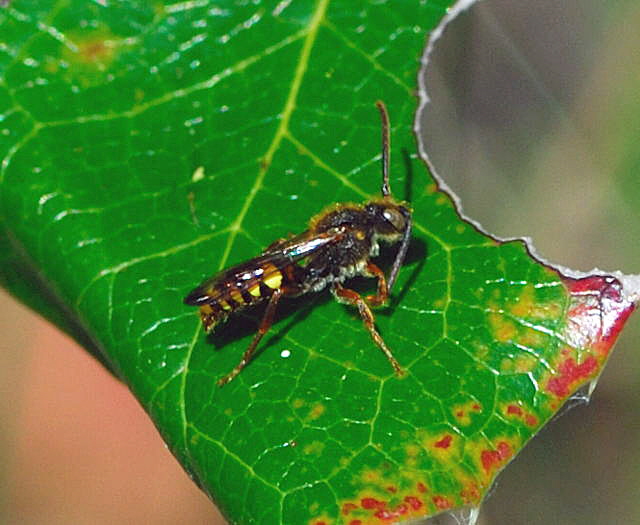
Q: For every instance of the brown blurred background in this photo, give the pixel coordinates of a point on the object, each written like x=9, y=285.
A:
x=76, y=447
x=536, y=125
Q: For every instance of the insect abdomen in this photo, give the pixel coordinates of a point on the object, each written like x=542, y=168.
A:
x=232, y=292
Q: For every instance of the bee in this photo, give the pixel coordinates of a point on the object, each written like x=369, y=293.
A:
x=338, y=245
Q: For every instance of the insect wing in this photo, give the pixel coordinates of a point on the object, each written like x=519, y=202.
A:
x=203, y=293
x=263, y=268
x=215, y=286
x=303, y=245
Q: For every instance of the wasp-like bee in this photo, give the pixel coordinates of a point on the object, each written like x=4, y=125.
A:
x=338, y=245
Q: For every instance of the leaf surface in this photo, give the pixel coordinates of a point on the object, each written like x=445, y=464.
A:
x=147, y=146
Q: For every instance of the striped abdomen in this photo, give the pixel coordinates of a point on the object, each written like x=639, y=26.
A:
x=240, y=286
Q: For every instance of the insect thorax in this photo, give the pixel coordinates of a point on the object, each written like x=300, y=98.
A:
x=348, y=257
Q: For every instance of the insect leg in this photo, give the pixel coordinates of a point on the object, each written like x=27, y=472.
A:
x=265, y=324
x=402, y=251
x=383, y=291
x=348, y=296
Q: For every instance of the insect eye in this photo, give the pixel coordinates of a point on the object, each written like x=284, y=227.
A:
x=395, y=218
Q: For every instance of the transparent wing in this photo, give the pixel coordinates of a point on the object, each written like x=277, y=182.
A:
x=277, y=256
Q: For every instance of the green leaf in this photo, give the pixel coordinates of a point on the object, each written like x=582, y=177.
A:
x=147, y=146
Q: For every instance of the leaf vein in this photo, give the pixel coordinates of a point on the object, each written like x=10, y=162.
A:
x=289, y=107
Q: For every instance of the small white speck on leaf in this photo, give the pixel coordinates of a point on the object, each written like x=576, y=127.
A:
x=198, y=174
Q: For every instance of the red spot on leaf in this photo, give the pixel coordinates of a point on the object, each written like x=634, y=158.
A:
x=94, y=51
x=597, y=313
x=571, y=373
x=421, y=487
x=606, y=285
x=492, y=458
x=504, y=449
x=414, y=502
x=385, y=514
x=470, y=494
x=372, y=503
x=476, y=407
x=459, y=413
x=445, y=442
x=489, y=458
x=442, y=503
x=528, y=418
x=393, y=489
x=355, y=522
x=514, y=409
x=388, y=514
x=348, y=507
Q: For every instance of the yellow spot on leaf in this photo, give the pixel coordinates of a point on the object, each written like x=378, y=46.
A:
x=139, y=95
x=525, y=363
x=314, y=448
x=463, y=412
x=323, y=519
x=532, y=338
x=316, y=411
x=412, y=450
x=371, y=476
x=481, y=350
x=528, y=307
x=525, y=303
x=503, y=329
x=439, y=304
x=442, y=200
x=90, y=56
x=506, y=365
x=95, y=50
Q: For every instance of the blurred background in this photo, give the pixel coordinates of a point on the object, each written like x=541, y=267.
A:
x=535, y=123
x=75, y=446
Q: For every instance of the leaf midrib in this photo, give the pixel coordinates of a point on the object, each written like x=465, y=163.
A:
x=236, y=225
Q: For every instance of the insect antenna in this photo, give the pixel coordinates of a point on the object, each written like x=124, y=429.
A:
x=386, y=139
x=386, y=192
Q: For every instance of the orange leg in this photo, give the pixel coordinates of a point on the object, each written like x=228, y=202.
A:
x=348, y=296
x=265, y=324
x=383, y=290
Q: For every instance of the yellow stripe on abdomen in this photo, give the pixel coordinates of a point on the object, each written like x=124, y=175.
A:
x=273, y=277
x=237, y=296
